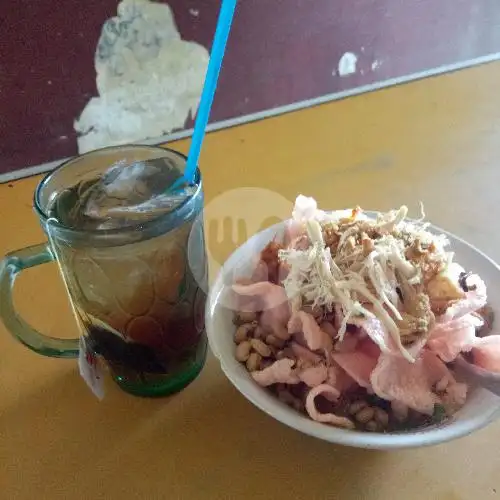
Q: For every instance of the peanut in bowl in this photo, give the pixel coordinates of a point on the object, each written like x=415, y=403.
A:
x=361, y=407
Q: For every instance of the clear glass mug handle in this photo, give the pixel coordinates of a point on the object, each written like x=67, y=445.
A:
x=12, y=264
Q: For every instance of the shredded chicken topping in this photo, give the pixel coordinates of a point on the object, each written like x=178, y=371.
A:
x=389, y=268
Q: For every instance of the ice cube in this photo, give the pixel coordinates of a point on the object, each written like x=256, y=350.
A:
x=127, y=193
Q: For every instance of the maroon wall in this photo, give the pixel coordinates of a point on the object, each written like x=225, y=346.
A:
x=280, y=52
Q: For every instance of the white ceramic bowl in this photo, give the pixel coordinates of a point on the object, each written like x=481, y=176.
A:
x=481, y=407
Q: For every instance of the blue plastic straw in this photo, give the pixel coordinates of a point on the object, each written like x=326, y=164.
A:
x=226, y=15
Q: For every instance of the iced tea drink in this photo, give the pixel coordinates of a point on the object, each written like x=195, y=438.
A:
x=133, y=258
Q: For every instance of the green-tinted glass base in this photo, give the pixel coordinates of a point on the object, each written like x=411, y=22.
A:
x=155, y=386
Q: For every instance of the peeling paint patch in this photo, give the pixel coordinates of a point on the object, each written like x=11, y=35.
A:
x=347, y=64
x=149, y=79
x=376, y=64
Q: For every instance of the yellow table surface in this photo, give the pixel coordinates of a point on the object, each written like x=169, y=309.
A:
x=436, y=140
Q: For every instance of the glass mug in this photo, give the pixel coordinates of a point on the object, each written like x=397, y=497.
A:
x=138, y=292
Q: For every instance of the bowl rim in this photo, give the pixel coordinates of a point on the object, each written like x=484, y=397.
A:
x=257, y=395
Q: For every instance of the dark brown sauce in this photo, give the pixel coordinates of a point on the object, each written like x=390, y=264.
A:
x=414, y=421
